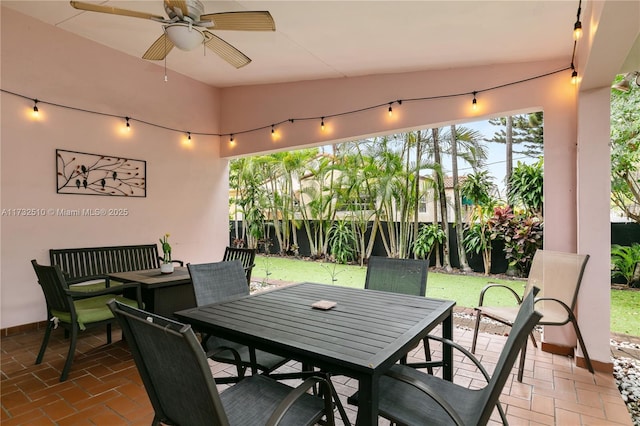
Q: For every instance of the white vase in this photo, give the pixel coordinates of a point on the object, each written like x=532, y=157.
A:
x=166, y=268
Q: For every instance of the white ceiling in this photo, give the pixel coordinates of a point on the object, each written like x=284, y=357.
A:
x=333, y=39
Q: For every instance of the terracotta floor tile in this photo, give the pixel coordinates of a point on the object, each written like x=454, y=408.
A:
x=104, y=386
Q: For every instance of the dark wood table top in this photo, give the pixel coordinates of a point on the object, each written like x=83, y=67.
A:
x=153, y=278
x=361, y=337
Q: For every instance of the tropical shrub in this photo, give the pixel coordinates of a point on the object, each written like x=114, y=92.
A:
x=428, y=236
x=624, y=263
x=342, y=241
x=521, y=234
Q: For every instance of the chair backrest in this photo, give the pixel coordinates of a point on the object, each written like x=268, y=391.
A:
x=81, y=264
x=173, y=368
x=558, y=276
x=406, y=276
x=245, y=255
x=526, y=319
x=53, y=284
x=218, y=282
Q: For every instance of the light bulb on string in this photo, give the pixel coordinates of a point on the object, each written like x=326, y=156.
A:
x=322, y=124
x=577, y=27
x=36, y=113
x=390, y=109
x=128, y=125
x=188, y=135
x=577, y=30
x=574, y=76
x=231, y=138
x=474, y=102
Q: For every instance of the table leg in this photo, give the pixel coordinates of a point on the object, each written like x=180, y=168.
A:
x=367, y=401
x=447, y=350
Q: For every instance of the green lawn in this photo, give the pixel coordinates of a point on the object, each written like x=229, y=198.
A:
x=625, y=305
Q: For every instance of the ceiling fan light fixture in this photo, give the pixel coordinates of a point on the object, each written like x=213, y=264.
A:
x=184, y=36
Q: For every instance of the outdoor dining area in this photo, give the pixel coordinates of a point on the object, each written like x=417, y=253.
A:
x=152, y=340
x=302, y=353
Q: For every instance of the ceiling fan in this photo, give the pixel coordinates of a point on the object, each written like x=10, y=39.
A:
x=188, y=27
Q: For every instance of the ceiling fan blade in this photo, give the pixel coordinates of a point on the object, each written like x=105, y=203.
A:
x=159, y=49
x=180, y=4
x=241, y=21
x=114, y=10
x=226, y=51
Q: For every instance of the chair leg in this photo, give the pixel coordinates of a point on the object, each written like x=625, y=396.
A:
x=109, y=334
x=72, y=350
x=427, y=353
x=523, y=355
x=45, y=342
x=475, y=332
x=582, y=345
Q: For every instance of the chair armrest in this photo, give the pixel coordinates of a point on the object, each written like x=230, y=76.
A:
x=475, y=361
x=462, y=349
x=496, y=285
x=561, y=303
x=217, y=350
x=296, y=393
x=108, y=290
x=429, y=392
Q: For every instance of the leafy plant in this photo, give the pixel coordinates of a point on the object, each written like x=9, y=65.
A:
x=166, y=248
x=625, y=151
x=428, y=236
x=342, y=241
x=522, y=236
x=477, y=239
x=525, y=186
x=624, y=263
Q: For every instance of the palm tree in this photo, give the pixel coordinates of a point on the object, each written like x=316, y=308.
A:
x=439, y=179
x=457, y=208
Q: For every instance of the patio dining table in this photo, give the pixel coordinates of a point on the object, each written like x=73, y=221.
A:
x=362, y=336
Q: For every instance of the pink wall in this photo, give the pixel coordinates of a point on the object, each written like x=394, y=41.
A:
x=196, y=178
x=186, y=185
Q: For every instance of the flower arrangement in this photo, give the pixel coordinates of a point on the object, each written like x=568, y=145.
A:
x=166, y=248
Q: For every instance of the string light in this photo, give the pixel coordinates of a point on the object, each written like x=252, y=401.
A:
x=577, y=27
x=474, y=102
x=189, y=135
x=574, y=72
x=36, y=113
x=322, y=118
x=390, y=110
x=128, y=125
x=231, y=138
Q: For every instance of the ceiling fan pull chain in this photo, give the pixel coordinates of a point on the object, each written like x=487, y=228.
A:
x=165, y=59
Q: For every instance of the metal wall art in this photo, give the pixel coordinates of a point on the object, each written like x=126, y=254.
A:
x=94, y=174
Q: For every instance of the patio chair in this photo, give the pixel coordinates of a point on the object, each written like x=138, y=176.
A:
x=245, y=255
x=219, y=282
x=182, y=390
x=406, y=276
x=410, y=397
x=74, y=311
x=558, y=275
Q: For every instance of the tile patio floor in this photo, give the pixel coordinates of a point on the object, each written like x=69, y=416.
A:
x=104, y=387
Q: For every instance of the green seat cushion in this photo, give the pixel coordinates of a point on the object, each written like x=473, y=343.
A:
x=92, y=309
x=94, y=286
